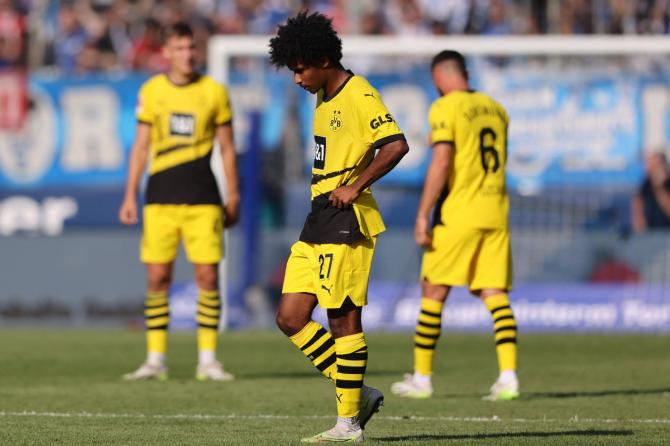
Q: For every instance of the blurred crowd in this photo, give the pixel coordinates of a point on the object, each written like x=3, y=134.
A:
x=104, y=35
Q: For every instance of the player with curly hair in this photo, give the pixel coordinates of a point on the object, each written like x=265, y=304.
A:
x=330, y=264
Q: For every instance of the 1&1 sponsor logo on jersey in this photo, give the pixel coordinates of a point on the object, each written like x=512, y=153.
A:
x=319, y=152
x=182, y=124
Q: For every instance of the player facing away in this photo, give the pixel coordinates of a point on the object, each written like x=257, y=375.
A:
x=180, y=114
x=469, y=243
x=330, y=264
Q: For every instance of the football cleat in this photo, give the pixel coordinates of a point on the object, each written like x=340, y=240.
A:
x=212, y=371
x=503, y=391
x=148, y=371
x=408, y=388
x=339, y=434
x=371, y=400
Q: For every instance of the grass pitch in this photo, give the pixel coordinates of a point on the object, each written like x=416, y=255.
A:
x=64, y=388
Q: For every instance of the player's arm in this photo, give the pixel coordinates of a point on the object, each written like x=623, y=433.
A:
x=387, y=158
x=662, y=195
x=436, y=178
x=637, y=213
x=138, y=160
x=224, y=134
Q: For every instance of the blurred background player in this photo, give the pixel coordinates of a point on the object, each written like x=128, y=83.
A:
x=330, y=264
x=651, y=204
x=469, y=243
x=180, y=114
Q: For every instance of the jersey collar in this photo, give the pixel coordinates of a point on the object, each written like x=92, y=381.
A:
x=193, y=80
x=346, y=81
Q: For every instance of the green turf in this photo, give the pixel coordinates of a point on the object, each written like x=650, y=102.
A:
x=577, y=390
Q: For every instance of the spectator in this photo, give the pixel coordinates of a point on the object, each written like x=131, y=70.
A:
x=12, y=29
x=650, y=206
x=147, y=51
x=71, y=38
x=497, y=23
x=122, y=34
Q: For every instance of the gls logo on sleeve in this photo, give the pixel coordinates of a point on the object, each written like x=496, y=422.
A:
x=319, y=152
x=381, y=120
x=182, y=124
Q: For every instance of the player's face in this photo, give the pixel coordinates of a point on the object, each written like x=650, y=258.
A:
x=180, y=51
x=439, y=81
x=311, y=79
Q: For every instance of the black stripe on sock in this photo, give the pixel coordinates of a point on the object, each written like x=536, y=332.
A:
x=208, y=315
x=156, y=316
x=427, y=347
x=163, y=304
x=318, y=335
x=350, y=369
x=358, y=356
x=215, y=326
x=427, y=325
x=428, y=336
x=322, y=349
x=348, y=384
x=430, y=313
x=509, y=327
x=504, y=307
x=160, y=327
x=213, y=307
x=326, y=363
x=503, y=318
x=506, y=341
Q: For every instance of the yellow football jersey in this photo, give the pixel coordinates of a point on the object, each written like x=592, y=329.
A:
x=183, y=121
x=348, y=127
x=476, y=194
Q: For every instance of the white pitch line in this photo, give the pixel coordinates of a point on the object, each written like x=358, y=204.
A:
x=493, y=419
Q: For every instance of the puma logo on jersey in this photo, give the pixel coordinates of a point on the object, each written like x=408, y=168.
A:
x=327, y=289
x=182, y=124
x=369, y=94
x=381, y=120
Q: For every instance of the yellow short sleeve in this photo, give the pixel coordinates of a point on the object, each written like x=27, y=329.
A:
x=144, y=111
x=224, y=112
x=379, y=125
x=441, y=120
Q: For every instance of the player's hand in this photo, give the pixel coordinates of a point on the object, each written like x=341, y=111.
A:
x=231, y=211
x=128, y=211
x=343, y=196
x=422, y=232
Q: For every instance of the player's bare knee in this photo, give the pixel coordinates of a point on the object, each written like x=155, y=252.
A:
x=435, y=292
x=289, y=324
x=159, y=280
x=207, y=277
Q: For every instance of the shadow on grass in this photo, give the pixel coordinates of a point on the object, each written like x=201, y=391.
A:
x=561, y=395
x=595, y=393
x=584, y=433
x=303, y=375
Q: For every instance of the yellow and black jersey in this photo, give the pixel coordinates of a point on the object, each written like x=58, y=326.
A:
x=477, y=127
x=183, y=121
x=348, y=127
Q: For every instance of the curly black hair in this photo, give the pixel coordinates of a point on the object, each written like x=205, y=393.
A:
x=308, y=39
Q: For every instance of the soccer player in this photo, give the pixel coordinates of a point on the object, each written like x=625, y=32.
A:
x=180, y=114
x=469, y=243
x=330, y=264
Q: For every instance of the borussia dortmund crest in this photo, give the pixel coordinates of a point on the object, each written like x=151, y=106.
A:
x=335, y=121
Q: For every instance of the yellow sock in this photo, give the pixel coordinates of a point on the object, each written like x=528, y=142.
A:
x=208, y=315
x=156, y=319
x=352, y=359
x=428, y=329
x=317, y=344
x=504, y=330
